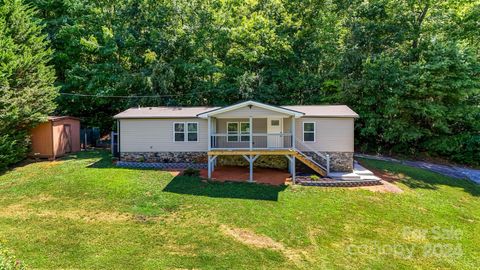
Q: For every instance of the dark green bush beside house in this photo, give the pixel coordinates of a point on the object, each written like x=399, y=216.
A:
x=26, y=79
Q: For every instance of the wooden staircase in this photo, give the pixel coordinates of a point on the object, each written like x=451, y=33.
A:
x=310, y=162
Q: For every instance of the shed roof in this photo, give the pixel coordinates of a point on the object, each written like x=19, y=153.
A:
x=58, y=118
x=192, y=112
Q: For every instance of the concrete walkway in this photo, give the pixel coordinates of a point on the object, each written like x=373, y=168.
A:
x=452, y=171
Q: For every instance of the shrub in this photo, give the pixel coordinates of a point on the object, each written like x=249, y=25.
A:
x=13, y=148
x=314, y=177
x=191, y=172
x=27, y=89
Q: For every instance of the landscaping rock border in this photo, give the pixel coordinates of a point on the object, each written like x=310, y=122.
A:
x=328, y=182
x=341, y=183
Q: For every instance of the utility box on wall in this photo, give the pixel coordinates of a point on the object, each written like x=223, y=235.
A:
x=56, y=137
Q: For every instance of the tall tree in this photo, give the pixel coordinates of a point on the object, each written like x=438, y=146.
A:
x=26, y=80
x=406, y=66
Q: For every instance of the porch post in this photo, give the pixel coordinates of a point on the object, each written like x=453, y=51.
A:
x=213, y=162
x=250, y=126
x=251, y=159
x=251, y=167
x=209, y=167
x=293, y=169
x=209, y=133
x=293, y=132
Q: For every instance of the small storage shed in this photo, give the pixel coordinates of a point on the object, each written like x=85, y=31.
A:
x=56, y=137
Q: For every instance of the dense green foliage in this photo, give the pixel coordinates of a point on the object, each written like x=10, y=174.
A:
x=409, y=68
x=26, y=81
x=83, y=212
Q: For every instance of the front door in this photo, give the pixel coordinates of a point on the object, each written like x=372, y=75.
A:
x=274, y=129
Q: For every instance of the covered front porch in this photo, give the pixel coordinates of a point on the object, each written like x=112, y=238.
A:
x=251, y=156
x=253, y=133
x=250, y=138
x=251, y=129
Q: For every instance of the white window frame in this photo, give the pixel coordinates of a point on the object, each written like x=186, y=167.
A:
x=239, y=133
x=185, y=131
x=314, y=131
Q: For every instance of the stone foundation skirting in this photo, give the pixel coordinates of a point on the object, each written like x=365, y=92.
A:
x=272, y=161
x=339, y=161
x=164, y=157
x=153, y=165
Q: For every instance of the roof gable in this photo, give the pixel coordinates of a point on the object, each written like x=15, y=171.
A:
x=250, y=103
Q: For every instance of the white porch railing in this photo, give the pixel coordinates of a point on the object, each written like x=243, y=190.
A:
x=259, y=141
x=326, y=157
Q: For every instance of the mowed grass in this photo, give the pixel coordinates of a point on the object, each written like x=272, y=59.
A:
x=82, y=212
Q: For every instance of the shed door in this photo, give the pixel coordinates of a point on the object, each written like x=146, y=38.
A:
x=68, y=138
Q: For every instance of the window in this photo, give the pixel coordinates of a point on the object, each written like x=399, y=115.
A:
x=309, y=132
x=245, y=132
x=232, y=131
x=185, y=132
x=192, y=132
x=238, y=131
x=275, y=123
x=179, y=130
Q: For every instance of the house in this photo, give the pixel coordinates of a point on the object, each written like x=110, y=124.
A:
x=56, y=137
x=320, y=136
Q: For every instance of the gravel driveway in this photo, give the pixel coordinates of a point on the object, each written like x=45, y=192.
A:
x=453, y=171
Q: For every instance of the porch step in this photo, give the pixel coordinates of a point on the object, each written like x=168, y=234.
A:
x=360, y=170
x=345, y=176
x=359, y=173
x=369, y=177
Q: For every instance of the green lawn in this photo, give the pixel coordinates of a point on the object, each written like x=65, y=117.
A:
x=82, y=212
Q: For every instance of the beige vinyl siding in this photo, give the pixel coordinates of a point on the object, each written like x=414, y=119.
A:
x=331, y=134
x=156, y=135
x=246, y=112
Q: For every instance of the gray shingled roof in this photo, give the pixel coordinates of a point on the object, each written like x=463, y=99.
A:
x=192, y=112
x=163, y=112
x=324, y=110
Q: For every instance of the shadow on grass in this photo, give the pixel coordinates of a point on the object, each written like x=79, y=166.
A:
x=197, y=187
x=193, y=185
x=95, y=153
x=417, y=178
x=17, y=165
